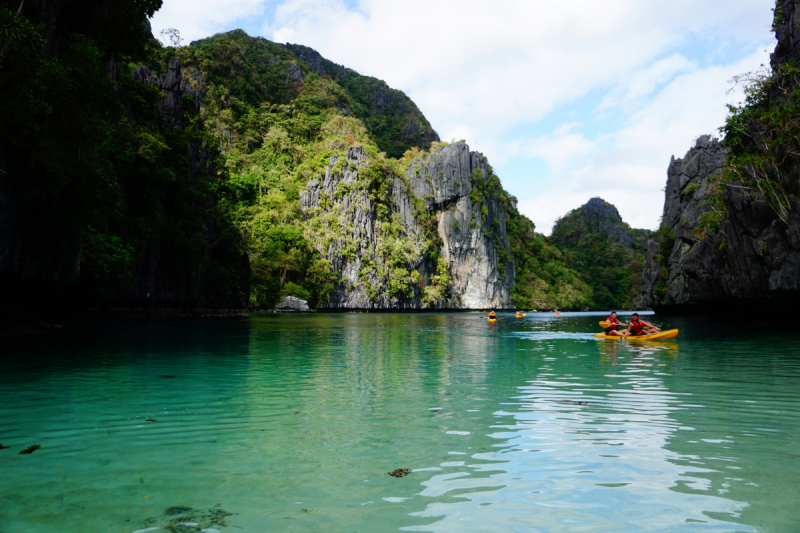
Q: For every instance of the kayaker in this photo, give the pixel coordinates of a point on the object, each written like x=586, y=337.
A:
x=614, y=325
x=638, y=327
x=492, y=315
x=519, y=315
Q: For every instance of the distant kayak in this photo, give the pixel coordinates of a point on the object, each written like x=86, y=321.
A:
x=520, y=316
x=663, y=336
x=491, y=320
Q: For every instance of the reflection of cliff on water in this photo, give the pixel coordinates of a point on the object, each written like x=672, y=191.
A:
x=364, y=359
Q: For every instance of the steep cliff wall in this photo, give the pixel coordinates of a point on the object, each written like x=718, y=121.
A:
x=730, y=237
x=115, y=219
x=419, y=237
x=684, y=263
x=752, y=259
x=165, y=274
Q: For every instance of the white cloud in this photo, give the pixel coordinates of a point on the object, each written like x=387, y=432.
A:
x=196, y=19
x=621, y=84
x=504, y=62
x=628, y=168
x=644, y=81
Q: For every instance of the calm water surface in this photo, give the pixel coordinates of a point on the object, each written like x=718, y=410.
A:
x=291, y=423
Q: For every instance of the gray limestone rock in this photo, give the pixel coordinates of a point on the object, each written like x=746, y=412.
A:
x=605, y=217
x=752, y=259
x=372, y=229
x=171, y=85
x=290, y=303
x=682, y=248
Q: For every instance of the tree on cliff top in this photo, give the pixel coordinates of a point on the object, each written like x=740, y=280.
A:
x=606, y=252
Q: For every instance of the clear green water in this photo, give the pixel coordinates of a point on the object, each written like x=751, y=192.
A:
x=291, y=423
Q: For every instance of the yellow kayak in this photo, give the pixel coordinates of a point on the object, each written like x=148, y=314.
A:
x=491, y=320
x=520, y=316
x=664, y=335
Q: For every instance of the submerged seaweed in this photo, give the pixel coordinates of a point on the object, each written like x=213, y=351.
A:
x=30, y=449
x=180, y=519
x=400, y=472
x=3, y=447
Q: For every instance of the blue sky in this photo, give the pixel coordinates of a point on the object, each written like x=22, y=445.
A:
x=568, y=100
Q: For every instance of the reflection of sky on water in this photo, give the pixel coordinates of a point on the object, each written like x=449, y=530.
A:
x=525, y=425
x=584, y=456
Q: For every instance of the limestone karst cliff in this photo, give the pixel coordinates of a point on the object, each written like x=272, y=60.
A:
x=427, y=242
x=604, y=250
x=730, y=236
x=751, y=259
x=238, y=172
x=684, y=263
x=108, y=178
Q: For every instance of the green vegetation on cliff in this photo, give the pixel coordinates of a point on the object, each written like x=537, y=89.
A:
x=606, y=252
x=94, y=178
x=120, y=186
x=763, y=138
x=279, y=122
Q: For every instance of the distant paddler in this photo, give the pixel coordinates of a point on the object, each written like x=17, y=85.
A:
x=520, y=315
x=492, y=316
x=612, y=329
x=638, y=327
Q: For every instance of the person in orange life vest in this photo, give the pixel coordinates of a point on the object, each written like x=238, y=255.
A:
x=638, y=327
x=613, y=326
x=492, y=315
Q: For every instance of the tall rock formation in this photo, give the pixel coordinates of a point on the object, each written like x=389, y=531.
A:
x=154, y=278
x=426, y=238
x=606, y=252
x=751, y=261
x=684, y=263
x=730, y=237
x=598, y=216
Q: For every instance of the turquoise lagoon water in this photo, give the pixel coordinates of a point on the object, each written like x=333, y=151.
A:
x=291, y=423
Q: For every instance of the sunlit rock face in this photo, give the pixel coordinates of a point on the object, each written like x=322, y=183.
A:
x=390, y=240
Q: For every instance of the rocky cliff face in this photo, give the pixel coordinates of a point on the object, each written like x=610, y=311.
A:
x=154, y=279
x=732, y=241
x=682, y=263
x=34, y=270
x=605, y=251
x=417, y=240
x=752, y=260
x=601, y=216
